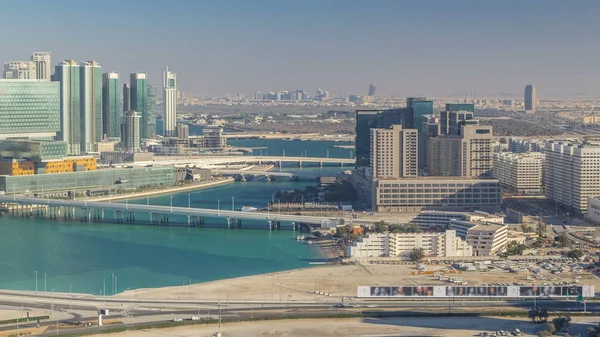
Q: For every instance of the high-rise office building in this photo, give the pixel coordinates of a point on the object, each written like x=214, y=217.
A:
x=91, y=105
x=22, y=70
x=170, y=103
x=455, y=115
x=130, y=139
x=394, y=152
x=68, y=74
x=371, y=89
x=421, y=109
x=376, y=119
x=29, y=108
x=467, y=155
x=43, y=65
x=139, y=99
x=530, y=99
x=572, y=173
x=151, y=115
x=111, y=105
x=126, y=98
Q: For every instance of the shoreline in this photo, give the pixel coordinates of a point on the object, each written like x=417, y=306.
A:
x=165, y=191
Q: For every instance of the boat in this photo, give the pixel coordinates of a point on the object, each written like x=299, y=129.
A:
x=249, y=209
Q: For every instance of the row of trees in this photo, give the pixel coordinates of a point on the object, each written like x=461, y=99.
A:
x=383, y=227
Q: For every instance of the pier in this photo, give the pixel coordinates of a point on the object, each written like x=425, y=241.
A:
x=99, y=211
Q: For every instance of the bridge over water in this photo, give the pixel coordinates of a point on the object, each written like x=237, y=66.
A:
x=205, y=161
x=102, y=211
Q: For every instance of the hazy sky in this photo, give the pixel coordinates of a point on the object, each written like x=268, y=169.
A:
x=406, y=47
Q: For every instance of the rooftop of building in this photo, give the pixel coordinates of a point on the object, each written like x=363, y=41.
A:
x=476, y=213
x=440, y=178
x=486, y=227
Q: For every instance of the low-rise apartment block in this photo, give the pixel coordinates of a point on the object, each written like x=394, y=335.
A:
x=444, y=244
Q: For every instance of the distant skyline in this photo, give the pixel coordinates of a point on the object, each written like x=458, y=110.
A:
x=429, y=48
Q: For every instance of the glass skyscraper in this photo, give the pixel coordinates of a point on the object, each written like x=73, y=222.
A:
x=80, y=105
x=111, y=105
x=455, y=115
x=420, y=107
x=29, y=108
x=126, y=97
x=91, y=105
x=67, y=73
x=139, y=99
x=151, y=122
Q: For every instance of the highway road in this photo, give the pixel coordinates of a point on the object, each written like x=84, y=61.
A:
x=80, y=307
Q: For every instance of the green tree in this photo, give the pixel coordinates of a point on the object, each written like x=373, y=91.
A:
x=537, y=243
x=380, y=227
x=341, y=232
x=515, y=248
x=417, y=254
x=575, y=254
x=563, y=240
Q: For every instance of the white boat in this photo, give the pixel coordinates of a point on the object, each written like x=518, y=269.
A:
x=249, y=209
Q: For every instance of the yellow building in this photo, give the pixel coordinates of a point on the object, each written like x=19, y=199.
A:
x=16, y=167
x=21, y=167
x=591, y=119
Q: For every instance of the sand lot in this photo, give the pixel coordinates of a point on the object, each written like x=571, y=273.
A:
x=337, y=280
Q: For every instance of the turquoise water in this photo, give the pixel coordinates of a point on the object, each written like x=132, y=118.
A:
x=294, y=148
x=82, y=255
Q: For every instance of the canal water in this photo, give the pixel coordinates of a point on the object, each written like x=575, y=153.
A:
x=84, y=256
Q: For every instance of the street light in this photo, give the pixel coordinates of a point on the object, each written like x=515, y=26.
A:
x=45, y=283
x=36, y=286
x=233, y=203
x=189, y=201
x=171, y=204
x=283, y=155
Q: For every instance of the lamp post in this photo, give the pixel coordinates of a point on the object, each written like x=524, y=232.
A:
x=171, y=204
x=45, y=289
x=233, y=203
x=36, y=284
x=189, y=200
x=218, y=206
x=283, y=153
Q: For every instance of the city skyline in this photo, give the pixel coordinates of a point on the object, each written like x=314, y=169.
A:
x=481, y=48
